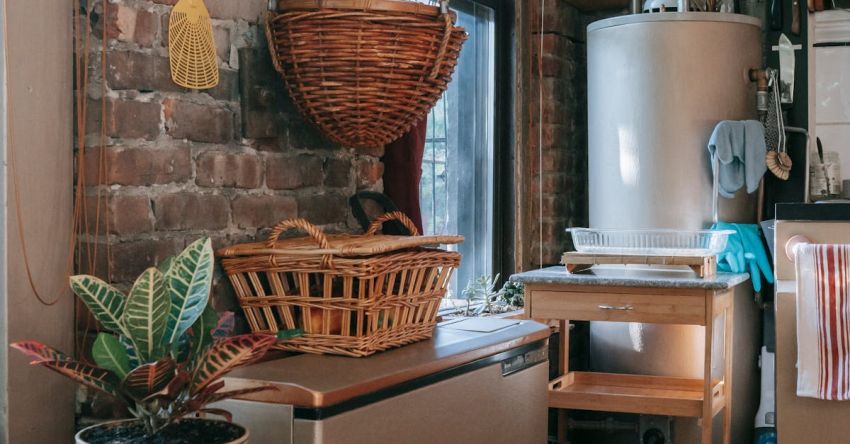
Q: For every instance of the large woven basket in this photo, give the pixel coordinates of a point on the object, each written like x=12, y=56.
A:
x=364, y=71
x=351, y=295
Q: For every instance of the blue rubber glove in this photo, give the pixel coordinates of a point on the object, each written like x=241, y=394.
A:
x=745, y=252
x=731, y=259
x=756, y=255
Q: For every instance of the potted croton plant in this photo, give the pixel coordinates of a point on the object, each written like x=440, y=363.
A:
x=159, y=354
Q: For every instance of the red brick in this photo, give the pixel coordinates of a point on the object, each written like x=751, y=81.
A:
x=201, y=123
x=220, y=169
x=189, y=211
x=251, y=211
x=126, y=119
x=369, y=171
x=139, y=71
x=139, y=166
x=337, y=172
x=130, y=259
x=146, y=28
x=132, y=70
x=128, y=24
x=119, y=214
x=325, y=208
x=291, y=172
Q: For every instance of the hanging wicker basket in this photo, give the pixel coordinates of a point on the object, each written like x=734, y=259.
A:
x=364, y=71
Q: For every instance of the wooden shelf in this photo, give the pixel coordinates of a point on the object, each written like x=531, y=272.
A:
x=654, y=395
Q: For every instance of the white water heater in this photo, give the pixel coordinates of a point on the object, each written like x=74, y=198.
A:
x=657, y=86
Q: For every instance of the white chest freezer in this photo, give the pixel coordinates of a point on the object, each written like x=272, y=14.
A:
x=477, y=381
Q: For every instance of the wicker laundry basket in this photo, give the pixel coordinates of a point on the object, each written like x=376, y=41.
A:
x=351, y=295
x=364, y=71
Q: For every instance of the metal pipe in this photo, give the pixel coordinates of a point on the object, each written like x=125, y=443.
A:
x=683, y=6
x=637, y=6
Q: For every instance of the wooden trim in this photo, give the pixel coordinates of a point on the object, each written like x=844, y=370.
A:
x=728, y=354
x=708, y=389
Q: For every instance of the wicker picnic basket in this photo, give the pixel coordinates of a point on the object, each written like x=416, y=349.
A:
x=364, y=71
x=351, y=295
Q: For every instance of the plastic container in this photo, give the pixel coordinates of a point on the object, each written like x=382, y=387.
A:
x=650, y=242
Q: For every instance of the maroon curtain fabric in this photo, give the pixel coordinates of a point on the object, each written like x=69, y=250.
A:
x=403, y=170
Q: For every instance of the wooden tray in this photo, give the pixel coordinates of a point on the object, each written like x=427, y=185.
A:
x=704, y=266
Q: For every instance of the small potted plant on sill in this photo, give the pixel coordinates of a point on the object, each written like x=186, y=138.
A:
x=163, y=354
x=482, y=299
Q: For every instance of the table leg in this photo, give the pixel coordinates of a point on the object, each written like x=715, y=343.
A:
x=563, y=369
x=707, y=408
x=728, y=352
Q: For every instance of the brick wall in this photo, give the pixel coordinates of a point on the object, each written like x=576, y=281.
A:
x=179, y=164
x=564, y=124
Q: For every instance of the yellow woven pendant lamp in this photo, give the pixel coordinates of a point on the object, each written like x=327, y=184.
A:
x=191, y=48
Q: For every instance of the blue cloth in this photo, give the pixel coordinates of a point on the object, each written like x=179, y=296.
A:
x=745, y=252
x=740, y=149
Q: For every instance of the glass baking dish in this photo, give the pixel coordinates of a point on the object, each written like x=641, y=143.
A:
x=650, y=242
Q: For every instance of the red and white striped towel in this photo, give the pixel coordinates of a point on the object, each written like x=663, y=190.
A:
x=823, y=321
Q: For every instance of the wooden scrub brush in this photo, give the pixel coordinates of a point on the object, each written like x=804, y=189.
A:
x=779, y=163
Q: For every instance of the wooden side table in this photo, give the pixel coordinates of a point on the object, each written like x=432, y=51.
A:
x=655, y=395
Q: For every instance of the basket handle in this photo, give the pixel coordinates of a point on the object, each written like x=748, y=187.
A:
x=395, y=215
x=447, y=35
x=313, y=231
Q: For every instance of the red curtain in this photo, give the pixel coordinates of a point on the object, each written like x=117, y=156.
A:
x=403, y=170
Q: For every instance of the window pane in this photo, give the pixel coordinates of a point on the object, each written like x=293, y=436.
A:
x=457, y=169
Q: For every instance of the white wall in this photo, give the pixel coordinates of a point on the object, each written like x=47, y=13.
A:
x=832, y=86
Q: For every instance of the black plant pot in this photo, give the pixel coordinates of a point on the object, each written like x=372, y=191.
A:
x=185, y=431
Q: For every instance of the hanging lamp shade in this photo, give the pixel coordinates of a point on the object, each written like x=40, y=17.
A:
x=364, y=71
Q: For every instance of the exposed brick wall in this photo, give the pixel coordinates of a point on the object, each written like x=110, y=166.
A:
x=564, y=141
x=177, y=164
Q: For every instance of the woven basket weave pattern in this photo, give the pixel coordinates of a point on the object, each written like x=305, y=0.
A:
x=353, y=306
x=364, y=77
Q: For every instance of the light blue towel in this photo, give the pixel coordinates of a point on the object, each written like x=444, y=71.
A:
x=740, y=149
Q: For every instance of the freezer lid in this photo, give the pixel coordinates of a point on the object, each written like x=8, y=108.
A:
x=317, y=381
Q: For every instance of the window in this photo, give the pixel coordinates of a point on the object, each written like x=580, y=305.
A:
x=457, y=191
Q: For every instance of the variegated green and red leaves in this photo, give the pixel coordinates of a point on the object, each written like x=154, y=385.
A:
x=188, y=280
x=149, y=379
x=105, y=301
x=94, y=377
x=228, y=354
x=39, y=352
x=146, y=314
x=87, y=375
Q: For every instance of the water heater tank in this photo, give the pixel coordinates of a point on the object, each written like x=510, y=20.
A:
x=657, y=85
